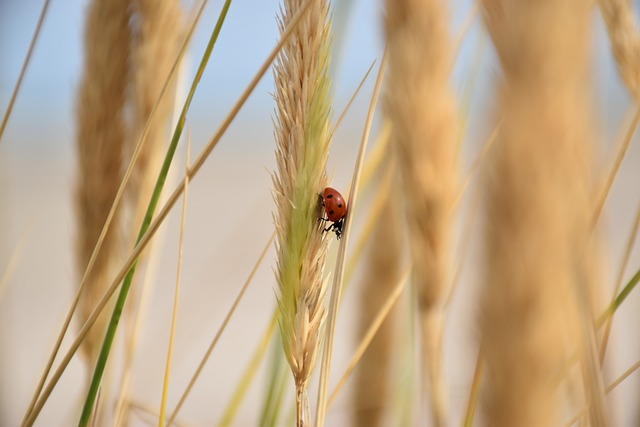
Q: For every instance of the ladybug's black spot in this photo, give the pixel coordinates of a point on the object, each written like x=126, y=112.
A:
x=330, y=196
x=339, y=205
x=331, y=212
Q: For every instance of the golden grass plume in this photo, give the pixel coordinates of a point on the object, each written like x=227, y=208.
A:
x=538, y=207
x=421, y=105
x=302, y=142
x=100, y=136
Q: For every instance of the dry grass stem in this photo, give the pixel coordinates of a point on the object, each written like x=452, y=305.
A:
x=100, y=138
x=421, y=106
x=302, y=133
x=615, y=167
x=538, y=211
x=619, y=18
x=174, y=317
x=23, y=70
x=373, y=385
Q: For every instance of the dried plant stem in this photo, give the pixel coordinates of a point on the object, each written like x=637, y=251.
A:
x=174, y=318
x=336, y=288
x=23, y=70
x=611, y=177
x=155, y=224
x=608, y=390
x=421, y=106
x=538, y=205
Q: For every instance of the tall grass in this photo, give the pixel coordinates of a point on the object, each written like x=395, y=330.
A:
x=302, y=94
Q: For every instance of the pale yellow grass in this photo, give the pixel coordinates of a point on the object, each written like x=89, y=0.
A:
x=538, y=205
x=100, y=138
x=421, y=105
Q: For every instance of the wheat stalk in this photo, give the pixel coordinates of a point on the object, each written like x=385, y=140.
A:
x=302, y=140
x=538, y=206
x=421, y=106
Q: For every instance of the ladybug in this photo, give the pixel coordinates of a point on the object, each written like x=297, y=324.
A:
x=335, y=208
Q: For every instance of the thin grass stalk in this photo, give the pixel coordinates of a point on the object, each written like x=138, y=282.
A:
x=25, y=65
x=373, y=388
x=176, y=298
x=108, y=221
x=302, y=133
x=124, y=290
x=155, y=224
x=336, y=288
x=421, y=105
x=538, y=209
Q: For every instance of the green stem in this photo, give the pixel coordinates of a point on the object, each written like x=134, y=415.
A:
x=616, y=303
x=153, y=203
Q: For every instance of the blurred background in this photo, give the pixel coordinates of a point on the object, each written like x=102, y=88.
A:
x=230, y=208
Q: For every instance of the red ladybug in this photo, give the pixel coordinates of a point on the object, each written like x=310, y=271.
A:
x=336, y=209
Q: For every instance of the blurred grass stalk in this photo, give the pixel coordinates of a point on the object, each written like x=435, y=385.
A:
x=539, y=199
x=157, y=190
x=421, y=105
x=302, y=131
x=101, y=136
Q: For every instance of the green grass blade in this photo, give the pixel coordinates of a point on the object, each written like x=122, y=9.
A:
x=153, y=203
